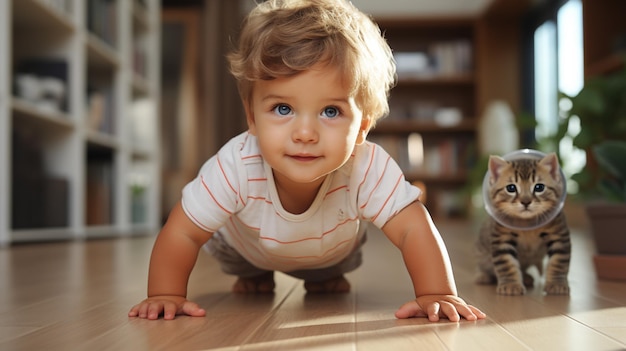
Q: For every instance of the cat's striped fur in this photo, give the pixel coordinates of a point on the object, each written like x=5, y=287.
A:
x=524, y=190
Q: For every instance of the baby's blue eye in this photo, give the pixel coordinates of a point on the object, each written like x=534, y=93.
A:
x=282, y=110
x=511, y=188
x=539, y=188
x=331, y=112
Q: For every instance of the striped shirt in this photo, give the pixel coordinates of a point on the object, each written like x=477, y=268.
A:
x=235, y=194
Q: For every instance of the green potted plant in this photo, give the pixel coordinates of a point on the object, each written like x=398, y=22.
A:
x=600, y=106
x=608, y=219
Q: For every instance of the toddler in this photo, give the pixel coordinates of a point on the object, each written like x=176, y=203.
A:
x=294, y=193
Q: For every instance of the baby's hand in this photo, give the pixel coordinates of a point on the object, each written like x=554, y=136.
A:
x=435, y=306
x=169, y=306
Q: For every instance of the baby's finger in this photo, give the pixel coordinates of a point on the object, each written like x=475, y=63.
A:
x=433, y=311
x=408, y=310
x=192, y=309
x=142, y=310
x=478, y=313
x=450, y=311
x=464, y=311
x=154, y=310
x=169, y=310
x=134, y=311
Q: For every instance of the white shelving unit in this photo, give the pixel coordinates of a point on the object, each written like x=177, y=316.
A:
x=79, y=91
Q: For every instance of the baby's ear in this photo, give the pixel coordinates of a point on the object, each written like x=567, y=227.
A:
x=551, y=163
x=496, y=164
x=366, y=124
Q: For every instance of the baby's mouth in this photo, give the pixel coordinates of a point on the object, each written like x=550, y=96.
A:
x=303, y=158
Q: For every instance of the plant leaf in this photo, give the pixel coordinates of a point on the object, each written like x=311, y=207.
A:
x=611, y=156
x=584, y=139
x=588, y=103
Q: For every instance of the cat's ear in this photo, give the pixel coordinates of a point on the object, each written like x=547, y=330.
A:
x=496, y=164
x=551, y=164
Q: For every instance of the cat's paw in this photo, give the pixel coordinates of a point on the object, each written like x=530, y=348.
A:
x=557, y=288
x=511, y=289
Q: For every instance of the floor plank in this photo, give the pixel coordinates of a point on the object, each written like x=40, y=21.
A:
x=314, y=322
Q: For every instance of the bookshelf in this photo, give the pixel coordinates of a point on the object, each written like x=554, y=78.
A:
x=449, y=70
x=431, y=128
x=78, y=118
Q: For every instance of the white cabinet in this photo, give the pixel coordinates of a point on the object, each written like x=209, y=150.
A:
x=79, y=90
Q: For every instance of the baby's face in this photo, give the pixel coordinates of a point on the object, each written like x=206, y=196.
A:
x=307, y=125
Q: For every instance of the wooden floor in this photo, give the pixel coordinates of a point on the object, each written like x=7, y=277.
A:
x=75, y=296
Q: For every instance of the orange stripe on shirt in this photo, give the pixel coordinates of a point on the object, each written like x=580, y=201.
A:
x=250, y=197
x=380, y=179
x=309, y=238
x=246, y=225
x=213, y=197
x=250, y=157
x=262, y=198
x=369, y=166
x=388, y=197
x=219, y=163
x=199, y=224
x=336, y=189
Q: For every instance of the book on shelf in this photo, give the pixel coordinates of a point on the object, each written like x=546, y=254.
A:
x=442, y=58
x=140, y=59
x=428, y=110
x=450, y=203
x=396, y=147
x=99, y=199
x=440, y=157
x=102, y=20
x=452, y=57
x=100, y=111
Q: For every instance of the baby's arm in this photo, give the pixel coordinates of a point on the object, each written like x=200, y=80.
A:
x=173, y=258
x=414, y=233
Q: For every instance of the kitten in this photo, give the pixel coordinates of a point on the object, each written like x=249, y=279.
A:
x=524, y=192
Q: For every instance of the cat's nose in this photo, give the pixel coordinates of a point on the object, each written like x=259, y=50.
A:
x=526, y=203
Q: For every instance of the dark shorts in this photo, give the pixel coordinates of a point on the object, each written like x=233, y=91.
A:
x=233, y=263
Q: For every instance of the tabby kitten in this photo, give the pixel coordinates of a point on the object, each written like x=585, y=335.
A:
x=524, y=192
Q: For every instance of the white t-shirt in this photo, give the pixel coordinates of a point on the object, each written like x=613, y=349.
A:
x=235, y=193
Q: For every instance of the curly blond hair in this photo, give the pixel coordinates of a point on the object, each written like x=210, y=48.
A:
x=281, y=38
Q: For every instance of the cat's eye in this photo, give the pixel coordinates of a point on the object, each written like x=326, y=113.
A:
x=539, y=188
x=511, y=188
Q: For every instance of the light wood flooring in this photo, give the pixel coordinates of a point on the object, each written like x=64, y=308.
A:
x=76, y=295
